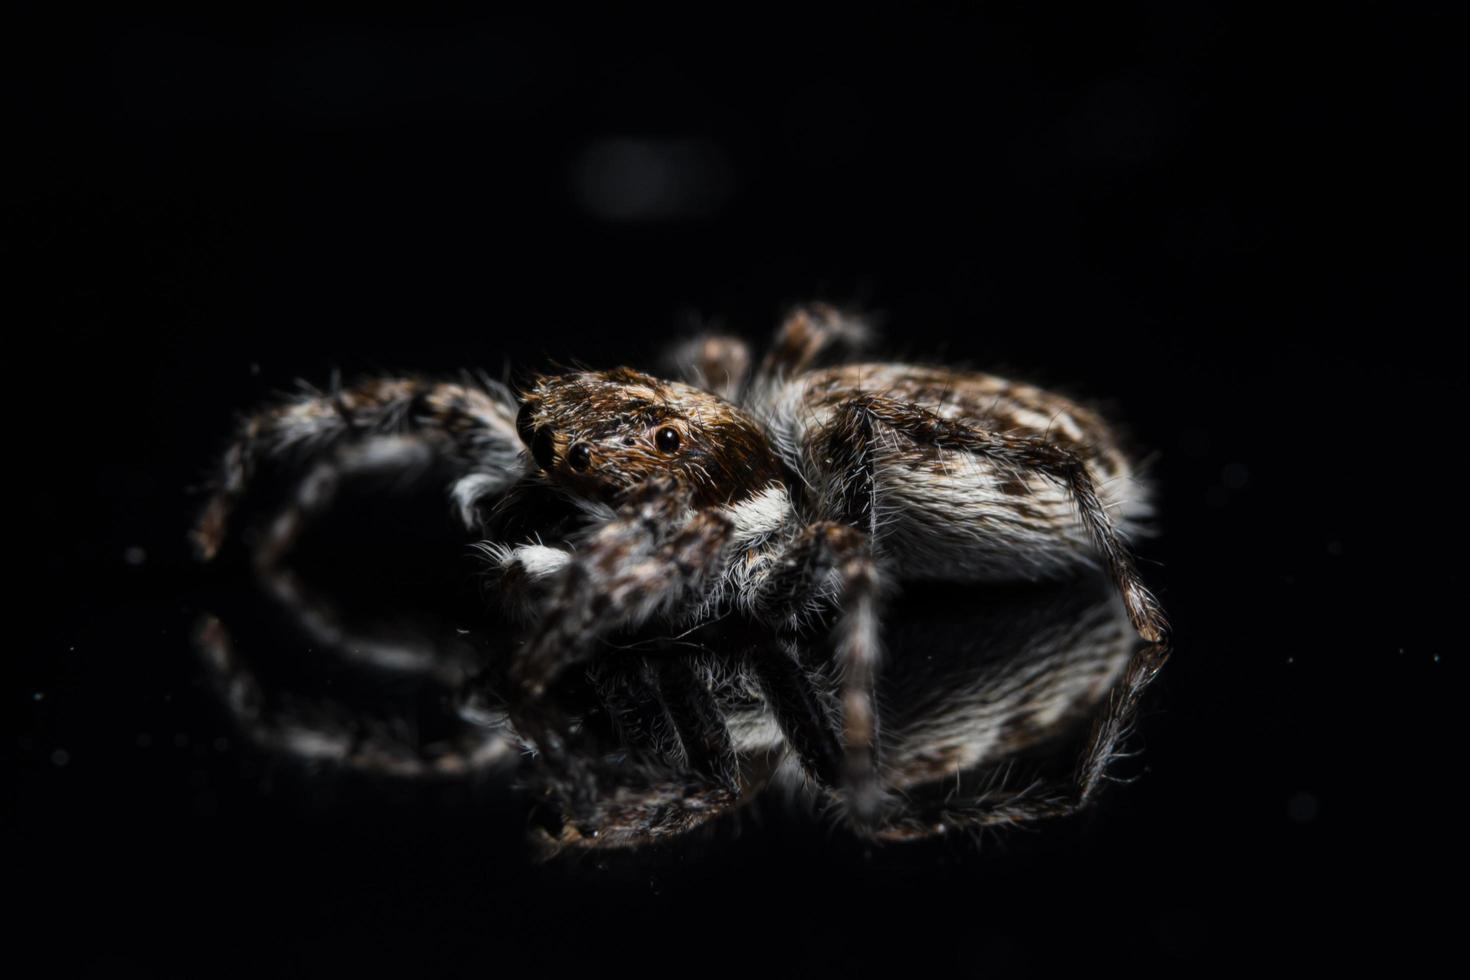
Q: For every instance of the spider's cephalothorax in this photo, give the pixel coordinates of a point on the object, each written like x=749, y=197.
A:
x=780, y=497
x=600, y=433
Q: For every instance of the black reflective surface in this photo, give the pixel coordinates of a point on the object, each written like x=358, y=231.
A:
x=1241, y=231
x=1001, y=707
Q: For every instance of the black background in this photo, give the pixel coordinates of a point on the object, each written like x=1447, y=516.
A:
x=1241, y=229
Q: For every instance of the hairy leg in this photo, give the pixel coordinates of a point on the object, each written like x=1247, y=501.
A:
x=834, y=562
x=679, y=768
x=715, y=362
x=850, y=440
x=655, y=553
x=1004, y=805
x=525, y=574
x=314, y=494
x=470, y=424
x=797, y=702
x=627, y=687
x=318, y=729
x=807, y=334
x=696, y=717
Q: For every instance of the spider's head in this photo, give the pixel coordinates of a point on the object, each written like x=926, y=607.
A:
x=597, y=433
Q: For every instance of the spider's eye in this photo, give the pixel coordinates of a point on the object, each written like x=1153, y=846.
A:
x=523, y=423
x=667, y=439
x=579, y=456
x=541, y=448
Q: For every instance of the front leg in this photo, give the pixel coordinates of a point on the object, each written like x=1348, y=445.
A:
x=320, y=439
x=832, y=564
x=655, y=554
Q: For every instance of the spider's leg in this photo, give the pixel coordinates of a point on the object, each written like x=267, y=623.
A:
x=655, y=553
x=524, y=574
x=715, y=362
x=681, y=770
x=472, y=426
x=796, y=700
x=624, y=811
x=659, y=707
x=314, y=494
x=850, y=439
x=835, y=561
x=808, y=333
x=401, y=642
x=697, y=719
x=627, y=687
x=1115, y=721
x=1005, y=805
x=997, y=808
x=320, y=730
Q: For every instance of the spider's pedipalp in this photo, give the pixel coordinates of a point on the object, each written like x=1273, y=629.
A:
x=657, y=552
x=522, y=573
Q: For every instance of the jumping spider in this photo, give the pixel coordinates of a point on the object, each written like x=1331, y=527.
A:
x=611, y=501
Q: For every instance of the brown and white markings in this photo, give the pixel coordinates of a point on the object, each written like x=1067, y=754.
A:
x=793, y=497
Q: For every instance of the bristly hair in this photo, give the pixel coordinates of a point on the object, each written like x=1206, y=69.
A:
x=780, y=503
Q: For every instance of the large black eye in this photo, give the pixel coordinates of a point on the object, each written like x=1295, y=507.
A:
x=542, y=449
x=523, y=423
x=667, y=439
x=579, y=456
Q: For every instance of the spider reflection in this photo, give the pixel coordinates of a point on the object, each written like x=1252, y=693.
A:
x=1000, y=707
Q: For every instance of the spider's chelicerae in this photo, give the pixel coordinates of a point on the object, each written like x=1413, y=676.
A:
x=787, y=496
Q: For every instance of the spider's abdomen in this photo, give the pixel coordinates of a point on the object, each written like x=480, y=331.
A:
x=941, y=453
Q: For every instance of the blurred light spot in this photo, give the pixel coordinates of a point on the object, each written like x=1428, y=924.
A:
x=627, y=179
x=1235, y=476
x=1334, y=548
x=1302, y=807
x=135, y=556
x=60, y=757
